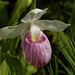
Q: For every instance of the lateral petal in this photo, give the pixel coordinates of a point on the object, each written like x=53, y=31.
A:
x=12, y=31
x=52, y=25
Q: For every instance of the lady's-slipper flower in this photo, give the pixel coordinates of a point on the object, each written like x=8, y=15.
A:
x=36, y=47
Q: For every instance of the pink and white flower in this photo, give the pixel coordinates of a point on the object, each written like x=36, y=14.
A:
x=36, y=47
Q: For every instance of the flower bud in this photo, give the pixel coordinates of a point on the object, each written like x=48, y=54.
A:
x=37, y=53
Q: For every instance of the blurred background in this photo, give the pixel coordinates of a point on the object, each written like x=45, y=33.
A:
x=12, y=61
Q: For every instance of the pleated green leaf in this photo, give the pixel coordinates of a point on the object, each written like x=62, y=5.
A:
x=4, y=69
x=11, y=66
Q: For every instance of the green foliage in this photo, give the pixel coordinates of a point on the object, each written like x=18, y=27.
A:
x=50, y=70
x=33, y=5
x=11, y=66
x=66, y=49
x=73, y=22
x=68, y=71
x=20, y=7
x=3, y=13
x=4, y=69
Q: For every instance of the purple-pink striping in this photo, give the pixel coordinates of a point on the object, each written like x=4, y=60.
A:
x=37, y=53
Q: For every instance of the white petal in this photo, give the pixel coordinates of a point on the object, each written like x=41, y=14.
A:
x=12, y=31
x=33, y=15
x=24, y=32
x=52, y=25
x=35, y=33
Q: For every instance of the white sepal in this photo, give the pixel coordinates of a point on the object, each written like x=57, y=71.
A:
x=12, y=31
x=34, y=15
x=52, y=25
